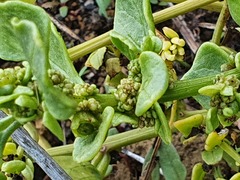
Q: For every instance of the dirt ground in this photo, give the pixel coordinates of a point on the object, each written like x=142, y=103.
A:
x=84, y=20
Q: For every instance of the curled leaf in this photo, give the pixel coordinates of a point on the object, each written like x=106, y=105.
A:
x=85, y=148
x=95, y=59
x=154, y=81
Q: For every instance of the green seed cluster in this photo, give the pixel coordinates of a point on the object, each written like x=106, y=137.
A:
x=12, y=76
x=134, y=71
x=148, y=118
x=126, y=94
x=90, y=104
x=85, y=90
x=19, y=111
x=227, y=100
x=59, y=81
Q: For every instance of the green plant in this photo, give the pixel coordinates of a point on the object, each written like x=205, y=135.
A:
x=31, y=91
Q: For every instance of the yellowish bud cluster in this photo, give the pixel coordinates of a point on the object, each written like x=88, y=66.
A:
x=173, y=48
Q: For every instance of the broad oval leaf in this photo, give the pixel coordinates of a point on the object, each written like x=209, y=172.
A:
x=172, y=167
x=212, y=157
x=130, y=16
x=208, y=61
x=154, y=81
x=234, y=10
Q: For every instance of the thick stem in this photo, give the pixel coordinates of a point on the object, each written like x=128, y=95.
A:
x=216, y=6
x=187, y=88
x=89, y=46
x=222, y=19
x=178, y=9
x=112, y=142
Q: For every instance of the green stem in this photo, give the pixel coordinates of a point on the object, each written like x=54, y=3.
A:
x=95, y=161
x=230, y=151
x=161, y=16
x=163, y=128
x=178, y=9
x=222, y=19
x=103, y=164
x=187, y=88
x=178, y=90
x=89, y=46
x=112, y=142
x=216, y=6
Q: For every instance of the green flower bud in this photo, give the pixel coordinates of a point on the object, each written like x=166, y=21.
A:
x=9, y=148
x=170, y=33
x=6, y=89
x=228, y=112
x=211, y=90
x=166, y=45
x=13, y=167
x=26, y=101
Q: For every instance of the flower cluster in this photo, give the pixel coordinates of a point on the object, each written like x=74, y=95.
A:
x=173, y=48
x=225, y=98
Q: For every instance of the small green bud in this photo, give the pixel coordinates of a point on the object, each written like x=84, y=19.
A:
x=211, y=90
x=166, y=45
x=170, y=33
x=228, y=112
x=172, y=47
x=181, y=51
x=14, y=166
x=9, y=148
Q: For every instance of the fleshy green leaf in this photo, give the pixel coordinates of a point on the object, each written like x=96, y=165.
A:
x=85, y=148
x=52, y=124
x=154, y=81
x=59, y=58
x=119, y=118
x=170, y=162
x=208, y=61
x=234, y=10
x=212, y=157
x=130, y=16
x=25, y=33
x=78, y=170
x=95, y=59
x=103, y=4
x=211, y=120
x=63, y=11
